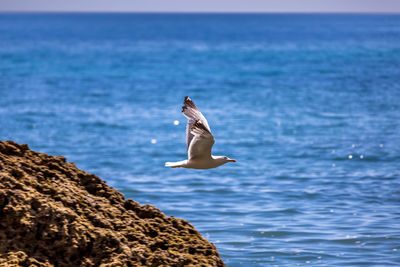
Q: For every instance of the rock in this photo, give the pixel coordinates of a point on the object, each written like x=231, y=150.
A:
x=54, y=214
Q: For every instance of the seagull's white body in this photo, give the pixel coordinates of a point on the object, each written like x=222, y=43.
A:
x=199, y=141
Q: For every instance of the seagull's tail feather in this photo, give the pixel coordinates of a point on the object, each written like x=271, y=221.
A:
x=178, y=164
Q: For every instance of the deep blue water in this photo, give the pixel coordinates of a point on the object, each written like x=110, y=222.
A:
x=309, y=105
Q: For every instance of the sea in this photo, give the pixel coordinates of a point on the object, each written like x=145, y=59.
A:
x=308, y=105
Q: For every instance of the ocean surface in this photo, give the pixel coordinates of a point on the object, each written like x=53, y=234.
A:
x=308, y=105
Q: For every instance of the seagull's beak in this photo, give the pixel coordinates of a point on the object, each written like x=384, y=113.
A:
x=231, y=160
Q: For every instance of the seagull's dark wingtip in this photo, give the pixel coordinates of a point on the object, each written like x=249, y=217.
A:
x=187, y=99
x=185, y=102
x=188, y=103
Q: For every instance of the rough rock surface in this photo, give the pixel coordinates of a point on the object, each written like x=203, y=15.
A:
x=54, y=214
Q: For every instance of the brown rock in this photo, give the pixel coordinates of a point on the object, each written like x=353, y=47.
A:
x=54, y=214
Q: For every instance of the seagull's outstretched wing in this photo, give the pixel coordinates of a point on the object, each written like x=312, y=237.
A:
x=193, y=114
x=201, y=143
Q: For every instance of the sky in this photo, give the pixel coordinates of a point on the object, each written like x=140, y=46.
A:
x=341, y=6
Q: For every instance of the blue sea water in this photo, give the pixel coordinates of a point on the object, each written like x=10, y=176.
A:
x=309, y=105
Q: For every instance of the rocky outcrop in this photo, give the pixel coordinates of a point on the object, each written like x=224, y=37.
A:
x=54, y=214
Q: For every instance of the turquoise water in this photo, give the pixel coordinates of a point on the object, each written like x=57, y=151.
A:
x=309, y=105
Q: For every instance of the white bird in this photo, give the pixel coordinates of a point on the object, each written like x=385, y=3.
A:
x=199, y=141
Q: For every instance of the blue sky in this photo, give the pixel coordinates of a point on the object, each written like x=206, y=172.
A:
x=374, y=6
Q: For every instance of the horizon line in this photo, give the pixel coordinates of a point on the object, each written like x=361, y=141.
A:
x=202, y=12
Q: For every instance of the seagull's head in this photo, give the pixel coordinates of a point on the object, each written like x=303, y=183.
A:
x=223, y=159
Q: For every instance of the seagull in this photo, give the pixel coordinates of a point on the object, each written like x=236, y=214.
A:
x=199, y=141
